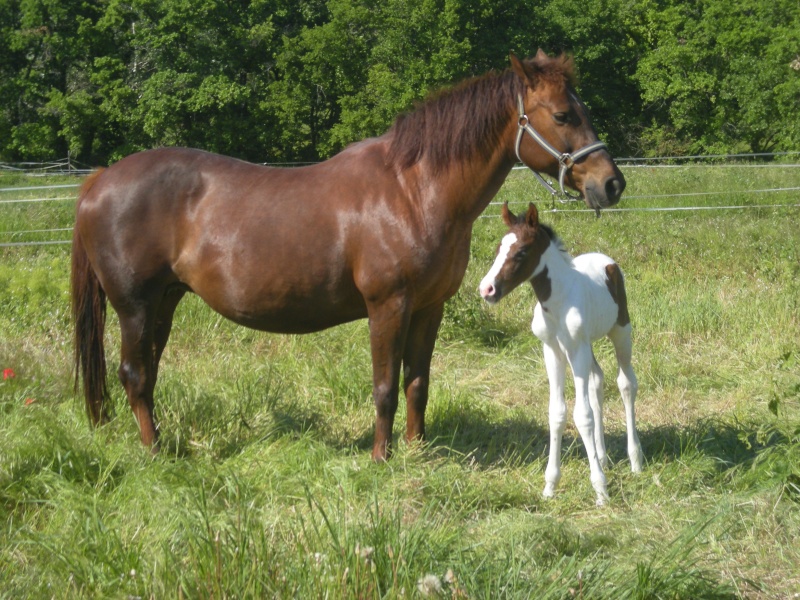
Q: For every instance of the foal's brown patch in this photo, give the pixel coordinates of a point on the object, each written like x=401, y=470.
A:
x=542, y=286
x=616, y=287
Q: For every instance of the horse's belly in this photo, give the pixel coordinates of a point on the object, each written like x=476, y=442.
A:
x=291, y=322
x=279, y=311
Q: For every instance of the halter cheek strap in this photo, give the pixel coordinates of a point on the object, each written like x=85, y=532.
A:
x=565, y=159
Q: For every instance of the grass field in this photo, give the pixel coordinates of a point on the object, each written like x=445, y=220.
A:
x=264, y=487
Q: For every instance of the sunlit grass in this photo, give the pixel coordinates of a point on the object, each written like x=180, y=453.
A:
x=264, y=486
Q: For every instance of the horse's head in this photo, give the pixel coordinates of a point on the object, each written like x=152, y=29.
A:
x=555, y=135
x=518, y=255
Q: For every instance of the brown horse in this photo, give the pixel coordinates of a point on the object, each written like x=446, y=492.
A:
x=388, y=224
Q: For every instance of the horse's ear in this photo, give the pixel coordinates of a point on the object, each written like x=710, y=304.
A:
x=532, y=218
x=519, y=68
x=541, y=55
x=508, y=217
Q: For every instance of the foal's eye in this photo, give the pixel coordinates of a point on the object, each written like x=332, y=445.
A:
x=561, y=118
x=521, y=255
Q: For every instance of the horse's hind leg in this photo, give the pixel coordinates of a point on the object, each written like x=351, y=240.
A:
x=163, y=325
x=628, y=386
x=596, y=382
x=137, y=370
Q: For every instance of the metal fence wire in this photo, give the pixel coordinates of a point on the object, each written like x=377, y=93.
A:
x=15, y=195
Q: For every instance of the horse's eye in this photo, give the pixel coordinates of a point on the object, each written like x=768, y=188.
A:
x=521, y=255
x=561, y=118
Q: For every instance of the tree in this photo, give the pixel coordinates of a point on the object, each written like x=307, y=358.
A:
x=717, y=77
x=45, y=49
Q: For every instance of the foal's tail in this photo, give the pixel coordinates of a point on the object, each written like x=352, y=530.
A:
x=89, y=316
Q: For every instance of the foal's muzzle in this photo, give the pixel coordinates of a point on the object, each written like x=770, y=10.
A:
x=491, y=292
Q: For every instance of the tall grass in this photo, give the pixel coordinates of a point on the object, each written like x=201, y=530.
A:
x=264, y=486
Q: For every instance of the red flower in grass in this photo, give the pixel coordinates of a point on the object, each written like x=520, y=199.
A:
x=8, y=374
x=29, y=401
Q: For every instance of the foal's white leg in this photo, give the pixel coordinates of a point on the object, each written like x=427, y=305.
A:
x=596, y=382
x=581, y=363
x=628, y=386
x=556, y=365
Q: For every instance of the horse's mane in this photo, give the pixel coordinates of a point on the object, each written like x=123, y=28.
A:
x=455, y=124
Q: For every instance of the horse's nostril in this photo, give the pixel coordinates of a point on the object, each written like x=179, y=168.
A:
x=614, y=188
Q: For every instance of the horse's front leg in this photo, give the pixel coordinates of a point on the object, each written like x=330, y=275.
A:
x=556, y=365
x=417, y=356
x=388, y=326
x=581, y=362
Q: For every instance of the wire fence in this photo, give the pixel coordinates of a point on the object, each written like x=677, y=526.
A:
x=10, y=196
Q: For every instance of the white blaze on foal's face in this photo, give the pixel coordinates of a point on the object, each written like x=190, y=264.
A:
x=488, y=287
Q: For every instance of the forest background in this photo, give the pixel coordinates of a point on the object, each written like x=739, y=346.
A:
x=297, y=80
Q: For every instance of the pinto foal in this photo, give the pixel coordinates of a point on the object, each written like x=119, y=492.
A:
x=580, y=300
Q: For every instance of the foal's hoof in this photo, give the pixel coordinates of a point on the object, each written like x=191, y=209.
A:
x=549, y=491
x=637, y=460
x=602, y=497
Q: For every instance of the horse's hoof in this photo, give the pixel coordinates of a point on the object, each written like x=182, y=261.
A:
x=381, y=454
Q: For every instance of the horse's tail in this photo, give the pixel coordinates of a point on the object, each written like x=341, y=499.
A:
x=89, y=316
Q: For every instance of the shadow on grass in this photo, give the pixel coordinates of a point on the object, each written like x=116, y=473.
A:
x=461, y=428
x=728, y=444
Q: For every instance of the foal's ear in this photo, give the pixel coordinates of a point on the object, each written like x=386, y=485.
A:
x=532, y=218
x=508, y=217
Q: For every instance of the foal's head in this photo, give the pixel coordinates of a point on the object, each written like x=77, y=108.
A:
x=552, y=107
x=518, y=255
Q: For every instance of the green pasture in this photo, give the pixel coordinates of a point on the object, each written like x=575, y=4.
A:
x=264, y=487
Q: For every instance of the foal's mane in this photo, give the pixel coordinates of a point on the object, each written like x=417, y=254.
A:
x=557, y=242
x=456, y=124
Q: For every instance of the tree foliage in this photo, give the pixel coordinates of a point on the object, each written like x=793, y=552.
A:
x=719, y=76
x=295, y=80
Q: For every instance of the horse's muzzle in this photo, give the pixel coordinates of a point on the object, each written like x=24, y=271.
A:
x=605, y=193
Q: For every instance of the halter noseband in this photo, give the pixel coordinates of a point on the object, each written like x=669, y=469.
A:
x=565, y=159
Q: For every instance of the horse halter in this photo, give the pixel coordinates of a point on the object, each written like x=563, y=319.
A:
x=565, y=159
